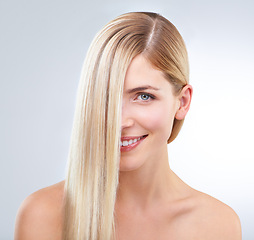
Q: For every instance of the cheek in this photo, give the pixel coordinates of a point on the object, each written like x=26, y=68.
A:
x=158, y=120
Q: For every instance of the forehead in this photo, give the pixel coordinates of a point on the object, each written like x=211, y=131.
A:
x=141, y=72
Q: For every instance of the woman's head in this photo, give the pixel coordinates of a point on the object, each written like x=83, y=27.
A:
x=93, y=167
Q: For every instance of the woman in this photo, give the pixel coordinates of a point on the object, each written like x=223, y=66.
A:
x=132, y=100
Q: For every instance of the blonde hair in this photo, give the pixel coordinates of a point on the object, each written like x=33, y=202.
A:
x=93, y=165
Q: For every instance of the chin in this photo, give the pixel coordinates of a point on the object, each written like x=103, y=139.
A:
x=128, y=165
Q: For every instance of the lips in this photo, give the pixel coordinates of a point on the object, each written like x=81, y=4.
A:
x=129, y=143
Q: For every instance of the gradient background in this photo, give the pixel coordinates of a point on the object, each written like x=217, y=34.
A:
x=42, y=47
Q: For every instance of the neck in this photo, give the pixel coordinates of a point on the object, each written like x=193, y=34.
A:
x=150, y=184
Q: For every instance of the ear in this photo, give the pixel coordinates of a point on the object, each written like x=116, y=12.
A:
x=184, y=99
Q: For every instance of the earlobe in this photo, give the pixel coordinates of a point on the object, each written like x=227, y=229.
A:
x=185, y=99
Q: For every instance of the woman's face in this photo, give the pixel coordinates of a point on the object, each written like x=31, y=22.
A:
x=148, y=111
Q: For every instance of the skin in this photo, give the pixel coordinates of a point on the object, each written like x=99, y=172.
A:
x=152, y=201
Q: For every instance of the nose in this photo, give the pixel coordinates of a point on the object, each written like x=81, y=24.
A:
x=127, y=118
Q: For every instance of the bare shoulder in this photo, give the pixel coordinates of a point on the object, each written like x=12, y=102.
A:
x=40, y=215
x=216, y=219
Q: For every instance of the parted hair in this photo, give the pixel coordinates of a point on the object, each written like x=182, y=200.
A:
x=93, y=163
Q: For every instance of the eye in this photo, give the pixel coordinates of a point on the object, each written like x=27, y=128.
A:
x=145, y=96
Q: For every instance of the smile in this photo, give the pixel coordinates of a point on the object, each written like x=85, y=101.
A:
x=128, y=143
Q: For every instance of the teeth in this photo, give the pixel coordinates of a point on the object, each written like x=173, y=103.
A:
x=126, y=143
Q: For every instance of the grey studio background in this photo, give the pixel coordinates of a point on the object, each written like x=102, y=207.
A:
x=42, y=47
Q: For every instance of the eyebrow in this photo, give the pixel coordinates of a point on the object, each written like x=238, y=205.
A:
x=141, y=88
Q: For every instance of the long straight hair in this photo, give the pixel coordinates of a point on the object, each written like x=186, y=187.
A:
x=93, y=165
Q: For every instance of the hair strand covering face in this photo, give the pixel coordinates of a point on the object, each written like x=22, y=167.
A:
x=93, y=164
